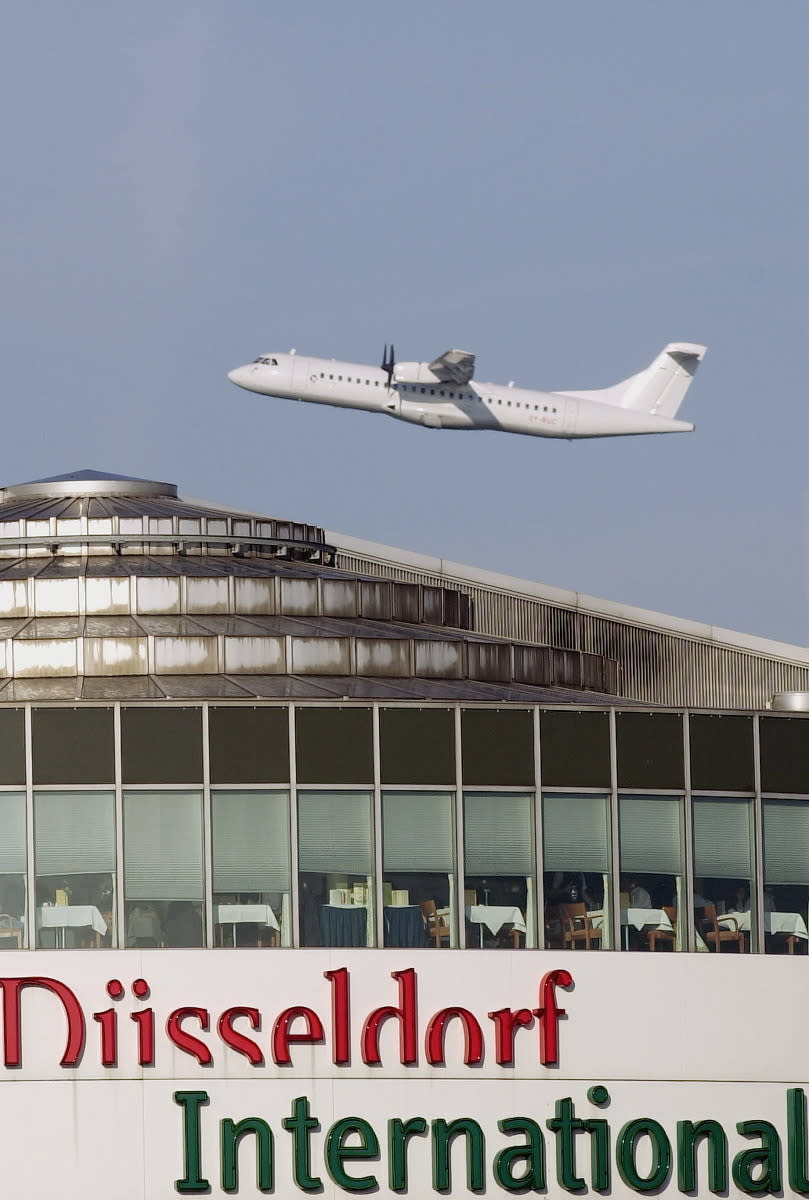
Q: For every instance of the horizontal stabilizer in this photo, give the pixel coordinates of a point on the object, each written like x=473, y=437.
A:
x=660, y=389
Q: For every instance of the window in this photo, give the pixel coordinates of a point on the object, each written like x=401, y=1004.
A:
x=419, y=879
x=650, y=750
x=575, y=749
x=163, y=882
x=334, y=745
x=499, y=869
x=497, y=747
x=721, y=753
x=651, y=857
x=12, y=746
x=723, y=871
x=786, y=876
x=417, y=745
x=423, y=390
x=12, y=870
x=74, y=853
x=321, y=375
x=784, y=754
x=248, y=745
x=577, y=869
x=331, y=377
x=335, y=858
x=250, y=834
x=73, y=745
x=161, y=745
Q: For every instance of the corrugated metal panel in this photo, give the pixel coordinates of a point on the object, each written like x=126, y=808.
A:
x=652, y=666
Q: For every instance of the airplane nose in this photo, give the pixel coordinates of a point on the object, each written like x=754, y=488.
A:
x=236, y=376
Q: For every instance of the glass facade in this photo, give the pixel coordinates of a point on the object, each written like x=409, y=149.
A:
x=413, y=825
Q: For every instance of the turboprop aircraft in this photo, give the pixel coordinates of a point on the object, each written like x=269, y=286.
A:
x=442, y=395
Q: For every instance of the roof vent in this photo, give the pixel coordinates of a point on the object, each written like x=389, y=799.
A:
x=791, y=702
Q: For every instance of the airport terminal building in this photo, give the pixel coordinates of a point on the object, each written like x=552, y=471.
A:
x=272, y=798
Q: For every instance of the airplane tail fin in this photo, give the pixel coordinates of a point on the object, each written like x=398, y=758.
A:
x=659, y=389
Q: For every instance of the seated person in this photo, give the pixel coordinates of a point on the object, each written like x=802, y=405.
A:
x=638, y=895
x=143, y=927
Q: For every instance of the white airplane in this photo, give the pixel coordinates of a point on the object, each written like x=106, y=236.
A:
x=441, y=394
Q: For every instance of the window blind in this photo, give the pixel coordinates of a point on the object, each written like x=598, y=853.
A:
x=417, y=834
x=722, y=838
x=334, y=832
x=74, y=832
x=650, y=834
x=498, y=833
x=250, y=841
x=12, y=823
x=163, y=845
x=576, y=832
x=786, y=841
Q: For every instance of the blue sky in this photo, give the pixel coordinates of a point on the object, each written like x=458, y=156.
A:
x=561, y=188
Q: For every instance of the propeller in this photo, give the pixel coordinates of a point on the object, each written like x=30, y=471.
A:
x=389, y=363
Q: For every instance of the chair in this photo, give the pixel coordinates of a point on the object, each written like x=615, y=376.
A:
x=470, y=897
x=664, y=937
x=715, y=934
x=578, y=927
x=8, y=930
x=434, y=925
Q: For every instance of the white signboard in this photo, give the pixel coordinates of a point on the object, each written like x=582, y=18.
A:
x=158, y=1073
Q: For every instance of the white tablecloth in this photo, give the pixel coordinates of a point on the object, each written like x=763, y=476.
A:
x=792, y=924
x=237, y=914
x=495, y=916
x=646, y=918
x=71, y=916
x=638, y=918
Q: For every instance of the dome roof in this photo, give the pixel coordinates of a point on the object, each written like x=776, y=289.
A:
x=115, y=586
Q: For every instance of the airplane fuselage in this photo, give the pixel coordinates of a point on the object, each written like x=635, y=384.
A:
x=412, y=395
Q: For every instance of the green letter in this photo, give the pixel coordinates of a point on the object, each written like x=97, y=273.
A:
x=688, y=1134
x=300, y=1125
x=599, y=1132
x=399, y=1133
x=661, y=1154
x=768, y=1156
x=337, y=1152
x=532, y=1153
x=231, y=1135
x=565, y=1124
x=443, y=1134
x=796, y=1140
x=192, y=1180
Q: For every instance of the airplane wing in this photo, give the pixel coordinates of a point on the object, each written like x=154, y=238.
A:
x=454, y=366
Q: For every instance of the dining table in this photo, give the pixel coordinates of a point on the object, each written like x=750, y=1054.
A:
x=786, y=923
x=404, y=925
x=494, y=917
x=60, y=917
x=344, y=924
x=245, y=914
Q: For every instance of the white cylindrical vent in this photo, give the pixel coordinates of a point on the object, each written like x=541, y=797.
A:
x=791, y=701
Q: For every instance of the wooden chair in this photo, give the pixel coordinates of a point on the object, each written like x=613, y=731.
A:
x=434, y=925
x=578, y=928
x=8, y=932
x=715, y=935
x=664, y=937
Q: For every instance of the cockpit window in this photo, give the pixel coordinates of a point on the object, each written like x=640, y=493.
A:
x=268, y=362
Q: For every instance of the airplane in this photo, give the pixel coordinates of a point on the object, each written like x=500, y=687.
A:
x=442, y=395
